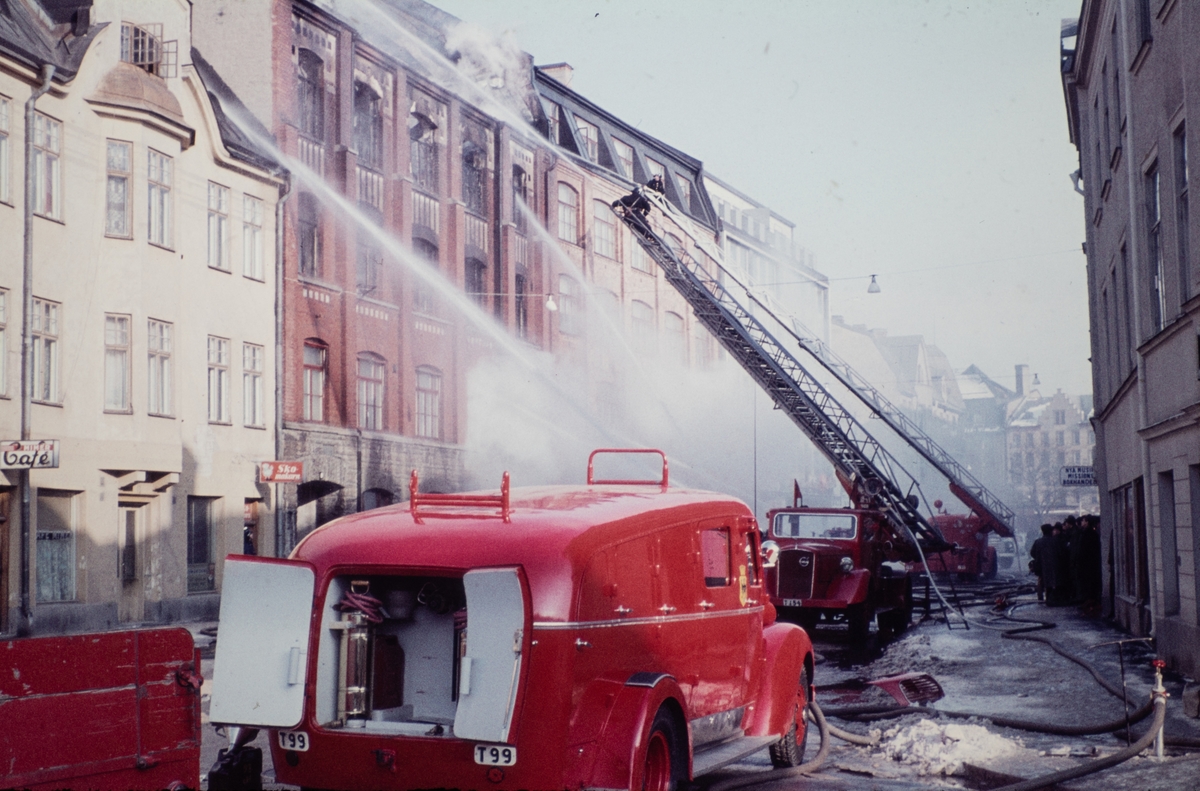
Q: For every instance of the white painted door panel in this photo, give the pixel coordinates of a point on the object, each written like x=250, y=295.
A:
x=487, y=690
x=262, y=644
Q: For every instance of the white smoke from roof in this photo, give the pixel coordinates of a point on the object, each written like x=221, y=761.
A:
x=494, y=63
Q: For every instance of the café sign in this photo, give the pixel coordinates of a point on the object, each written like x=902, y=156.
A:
x=28, y=454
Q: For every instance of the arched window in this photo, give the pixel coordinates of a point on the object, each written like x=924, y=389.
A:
x=429, y=402
x=568, y=213
x=311, y=98
x=371, y=371
x=568, y=305
x=423, y=152
x=474, y=177
x=423, y=299
x=674, y=341
x=368, y=126
x=604, y=230
x=308, y=236
x=316, y=354
x=520, y=190
x=643, y=321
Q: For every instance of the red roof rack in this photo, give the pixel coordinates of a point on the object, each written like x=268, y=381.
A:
x=591, y=477
x=417, y=500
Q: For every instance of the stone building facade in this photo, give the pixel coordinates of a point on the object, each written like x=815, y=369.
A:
x=1131, y=78
x=152, y=330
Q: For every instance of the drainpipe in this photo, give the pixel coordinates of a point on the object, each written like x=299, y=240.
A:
x=26, y=625
x=280, y=512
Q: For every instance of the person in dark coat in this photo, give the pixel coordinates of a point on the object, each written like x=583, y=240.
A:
x=1091, y=573
x=1035, y=560
x=1054, y=571
x=1073, y=528
x=634, y=203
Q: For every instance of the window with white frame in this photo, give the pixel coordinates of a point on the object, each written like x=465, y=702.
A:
x=252, y=237
x=568, y=306
x=218, y=379
x=159, y=196
x=1154, y=247
x=371, y=371
x=45, y=350
x=685, y=191
x=3, y=343
x=142, y=45
x=159, y=337
x=589, y=135
x=604, y=230
x=47, y=173
x=642, y=316
x=218, y=226
x=5, y=121
x=253, y=357
x=552, y=123
x=429, y=402
x=568, y=213
x=116, y=363
x=117, y=207
x=674, y=340
x=315, y=356
x=639, y=259
x=57, y=523
x=625, y=156
x=656, y=168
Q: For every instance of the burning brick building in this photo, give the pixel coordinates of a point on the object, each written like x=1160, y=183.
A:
x=492, y=173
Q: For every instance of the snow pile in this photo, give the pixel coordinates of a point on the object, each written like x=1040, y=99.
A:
x=937, y=748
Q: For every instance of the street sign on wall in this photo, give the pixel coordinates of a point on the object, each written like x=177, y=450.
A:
x=16, y=454
x=1079, y=476
x=280, y=471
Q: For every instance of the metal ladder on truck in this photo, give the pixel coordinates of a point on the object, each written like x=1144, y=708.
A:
x=965, y=486
x=874, y=475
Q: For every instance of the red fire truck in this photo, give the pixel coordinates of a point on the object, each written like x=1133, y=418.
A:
x=614, y=635
x=972, y=558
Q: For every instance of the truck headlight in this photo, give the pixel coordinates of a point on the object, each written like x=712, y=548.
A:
x=770, y=554
x=847, y=565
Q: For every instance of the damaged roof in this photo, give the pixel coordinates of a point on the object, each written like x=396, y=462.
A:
x=240, y=144
x=52, y=32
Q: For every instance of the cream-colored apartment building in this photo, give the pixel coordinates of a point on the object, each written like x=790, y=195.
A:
x=153, y=329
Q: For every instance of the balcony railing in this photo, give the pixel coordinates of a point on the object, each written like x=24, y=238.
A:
x=370, y=187
x=312, y=154
x=426, y=212
x=477, y=232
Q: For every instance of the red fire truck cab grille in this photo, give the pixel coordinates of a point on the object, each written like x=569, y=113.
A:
x=796, y=569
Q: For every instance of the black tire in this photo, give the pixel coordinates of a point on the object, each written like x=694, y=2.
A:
x=667, y=727
x=859, y=617
x=789, y=751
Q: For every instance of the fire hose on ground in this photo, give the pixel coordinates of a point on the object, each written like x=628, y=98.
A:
x=813, y=712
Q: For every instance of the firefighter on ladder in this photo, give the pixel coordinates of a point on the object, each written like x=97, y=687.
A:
x=636, y=205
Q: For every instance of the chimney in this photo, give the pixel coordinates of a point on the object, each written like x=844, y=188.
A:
x=562, y=72
x=1022, y=375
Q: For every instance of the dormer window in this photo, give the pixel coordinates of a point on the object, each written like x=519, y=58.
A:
x=142, y=45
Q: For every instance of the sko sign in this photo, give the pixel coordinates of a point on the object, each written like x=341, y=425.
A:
x=280, y=471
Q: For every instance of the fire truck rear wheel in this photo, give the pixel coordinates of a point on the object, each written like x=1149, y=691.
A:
x=665, y=766
x=789, y=751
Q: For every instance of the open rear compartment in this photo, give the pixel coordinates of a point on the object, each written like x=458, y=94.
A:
x=390, y=653
x=422, y=655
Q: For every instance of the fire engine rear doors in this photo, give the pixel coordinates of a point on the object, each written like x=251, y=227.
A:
x=490, y=671
x=262, y=643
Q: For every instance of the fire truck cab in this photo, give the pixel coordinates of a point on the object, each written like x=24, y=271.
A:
x=838, y=563
x=614, y=635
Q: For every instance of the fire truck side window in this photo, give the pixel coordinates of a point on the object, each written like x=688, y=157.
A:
x=714, y=555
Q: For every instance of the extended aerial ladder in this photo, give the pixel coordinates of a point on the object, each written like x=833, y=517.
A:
x=965, y=486
x=875, y=478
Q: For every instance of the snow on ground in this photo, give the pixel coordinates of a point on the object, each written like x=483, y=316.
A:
x=933, y=747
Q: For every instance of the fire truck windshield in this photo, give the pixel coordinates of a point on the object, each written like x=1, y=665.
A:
x=809, y=525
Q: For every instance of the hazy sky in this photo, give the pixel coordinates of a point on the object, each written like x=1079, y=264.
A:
x=925, y=142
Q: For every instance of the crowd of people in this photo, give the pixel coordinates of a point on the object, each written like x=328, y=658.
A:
x=1067, y=562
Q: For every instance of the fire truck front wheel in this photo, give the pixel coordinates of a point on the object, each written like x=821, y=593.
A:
x=789, y=751
x=665, y=765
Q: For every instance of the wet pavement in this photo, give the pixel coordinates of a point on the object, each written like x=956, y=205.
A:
x=981, y=673
x=986, y=674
